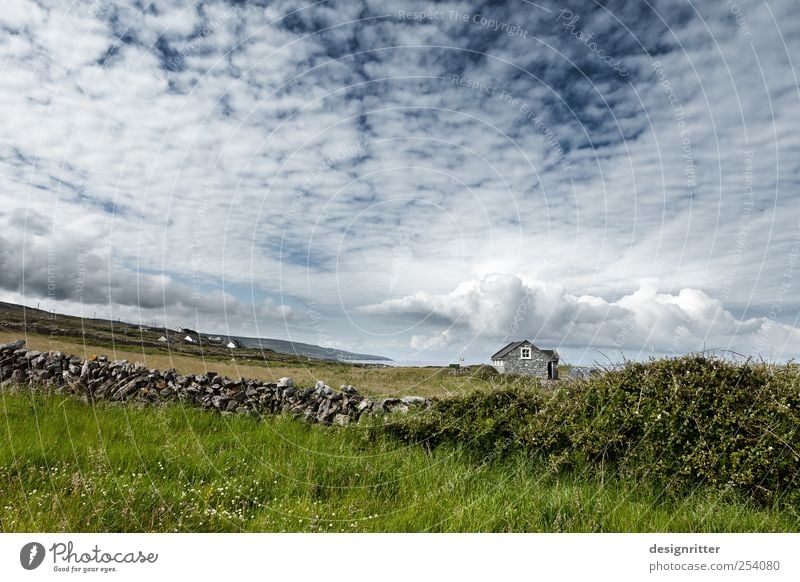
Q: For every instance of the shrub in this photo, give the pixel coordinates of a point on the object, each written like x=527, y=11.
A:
x=484, y=372
x=681, y=423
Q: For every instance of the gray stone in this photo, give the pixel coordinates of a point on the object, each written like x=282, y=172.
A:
x=13, y=346
x=393, y=405
x=387, y=402
x=127, y=389
x=341, y=420
x=285, y=383
x=414, y=401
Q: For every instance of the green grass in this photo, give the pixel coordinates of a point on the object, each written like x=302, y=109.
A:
x=68, y=466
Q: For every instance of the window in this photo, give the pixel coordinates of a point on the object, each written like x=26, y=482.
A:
x=525, y=353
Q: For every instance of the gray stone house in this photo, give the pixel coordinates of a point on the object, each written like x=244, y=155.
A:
x=525, y=358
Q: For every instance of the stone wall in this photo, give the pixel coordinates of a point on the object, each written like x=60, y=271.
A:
x=120, y=381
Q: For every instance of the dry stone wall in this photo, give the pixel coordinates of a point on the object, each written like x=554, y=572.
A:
x=96, y=379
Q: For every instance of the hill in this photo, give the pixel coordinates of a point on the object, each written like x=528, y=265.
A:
x=20, y=318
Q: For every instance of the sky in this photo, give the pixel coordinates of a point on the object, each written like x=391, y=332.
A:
x=419, y=180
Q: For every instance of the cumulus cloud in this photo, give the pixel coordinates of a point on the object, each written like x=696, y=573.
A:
x=504, y=307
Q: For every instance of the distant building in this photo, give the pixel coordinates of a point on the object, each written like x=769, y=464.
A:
x=522, y=357
x=189, y=339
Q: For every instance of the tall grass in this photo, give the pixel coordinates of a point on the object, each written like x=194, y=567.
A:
x=68, y=466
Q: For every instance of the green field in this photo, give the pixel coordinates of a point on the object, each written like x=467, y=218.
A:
x=68, y=466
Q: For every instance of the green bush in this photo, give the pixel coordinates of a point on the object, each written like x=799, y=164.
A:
x=681, y=423
x=484, y=372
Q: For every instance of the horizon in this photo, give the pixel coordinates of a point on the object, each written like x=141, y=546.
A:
x=602, y=360
x=416, y=181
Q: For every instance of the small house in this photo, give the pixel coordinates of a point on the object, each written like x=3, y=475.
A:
x=522, y=357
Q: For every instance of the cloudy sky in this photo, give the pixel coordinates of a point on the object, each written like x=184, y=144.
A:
x=414, y=179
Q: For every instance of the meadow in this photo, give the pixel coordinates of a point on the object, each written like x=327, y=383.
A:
x=687, y=444
x=68, y=466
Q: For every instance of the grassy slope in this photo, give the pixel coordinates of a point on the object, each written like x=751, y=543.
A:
x=65, y=466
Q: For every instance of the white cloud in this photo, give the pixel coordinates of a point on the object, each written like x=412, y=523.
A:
x=185, y=143
x=503, y=307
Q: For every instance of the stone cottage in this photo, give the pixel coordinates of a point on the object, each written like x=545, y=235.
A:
x=523, y=357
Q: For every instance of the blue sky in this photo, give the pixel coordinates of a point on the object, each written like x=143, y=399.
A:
x=418, y=180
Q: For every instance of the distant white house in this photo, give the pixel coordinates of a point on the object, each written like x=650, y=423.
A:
x=232, y=345
x=163, y=339
x=189, y=339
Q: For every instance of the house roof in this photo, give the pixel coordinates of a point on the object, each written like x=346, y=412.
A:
x=514, y=345
x=506, y=350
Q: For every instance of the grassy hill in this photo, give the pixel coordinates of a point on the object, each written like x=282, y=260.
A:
x=119, y=334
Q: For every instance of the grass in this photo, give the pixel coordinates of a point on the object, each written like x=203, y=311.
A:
x=67, y=466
